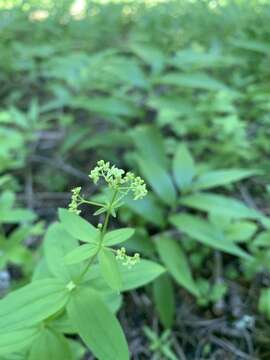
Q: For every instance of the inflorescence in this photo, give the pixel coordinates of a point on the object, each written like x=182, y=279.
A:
x=118, y=179
x=127, y=260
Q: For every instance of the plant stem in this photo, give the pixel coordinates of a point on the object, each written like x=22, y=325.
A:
x=102, y=234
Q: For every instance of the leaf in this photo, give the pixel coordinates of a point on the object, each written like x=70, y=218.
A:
x=32, y=303
x=175, y=260
x=159, y=179
x=109, y=268
x=264, y=302
x=193, y=81
x=16, y=215
x=241, y=231
x=117, y=236
x=81, y=253
x=97, y=326
x=50, y=345
x=164, y=300
x=201, y=230
x=78, y=227
x=183, y=167
x=15, y=340
x=220, y=177
x=139, y=275
x=150, y=144
x=220, y=205
x=57, y=243
x=148, y=209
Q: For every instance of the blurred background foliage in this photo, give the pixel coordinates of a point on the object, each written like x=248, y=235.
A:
x=130, y=82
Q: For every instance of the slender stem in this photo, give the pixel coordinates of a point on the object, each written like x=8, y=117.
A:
x=102, y=234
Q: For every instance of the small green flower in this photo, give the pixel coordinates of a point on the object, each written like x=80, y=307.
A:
x=127, y=260
x=75, y=199
x=117, y=179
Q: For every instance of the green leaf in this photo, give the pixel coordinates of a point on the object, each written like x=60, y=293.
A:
x=201, y=230
x=78, y=227
x=117, y=236
x=16, y=340
x=109, y=268
x=97, y=326
x=175, y=260
x=241, y=231
x=159, y=179
x=57, y=244
x=139, y=275
x=219, y=205
x=220, y=177
x=164, y=300
x=50, y=345
x=150, y=144
x=32, y=303
x=148, y=209
x=81, y=253
x=193, y=81
x=183, y=167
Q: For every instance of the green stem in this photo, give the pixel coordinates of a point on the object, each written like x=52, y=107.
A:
x=102, y=234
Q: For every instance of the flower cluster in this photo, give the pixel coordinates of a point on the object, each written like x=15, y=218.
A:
x=75, y=200
x=117, y=179
x=127, y=260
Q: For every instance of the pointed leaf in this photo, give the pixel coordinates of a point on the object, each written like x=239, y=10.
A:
x=57, y=243
x=78, y=227
x=117, y=236
x=97, y=326
x=109, y=269
x=32, y=303
x=50, y=345
x=175, y=260
x=81, y=253
x=221, y=177
x=16, y=340
x=159, y=179
x=220, y=205
x=164, y=300
x=203, y=231
x=183, y=167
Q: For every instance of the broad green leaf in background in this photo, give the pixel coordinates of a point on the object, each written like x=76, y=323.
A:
x=175, y=260
x=57, y=243
x=201, y=230
x=81, y=253
x=15, y=340
x=50, y=345
x=78, y=227
x=118, y=236
x=219, y=205
x=193, y=81
x=220, y=177
x=97, y=326
x=32, y=303
x=264, y=303
x=148, y=209
x=152, y=56
x=109, y=268
x=183, y=167
x=159, y=179
x=240, y=231
x=150, y=144
x=164, y=299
